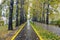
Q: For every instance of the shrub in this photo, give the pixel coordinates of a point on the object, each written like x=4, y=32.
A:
x=1, y=23
x=53, y=22
x=57, y=22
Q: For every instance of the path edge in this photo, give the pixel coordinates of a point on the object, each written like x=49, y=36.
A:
x=20, y=29
x=40, y=38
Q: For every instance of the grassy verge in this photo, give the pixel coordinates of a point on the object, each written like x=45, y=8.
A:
x=4, y=33
x=46, y=35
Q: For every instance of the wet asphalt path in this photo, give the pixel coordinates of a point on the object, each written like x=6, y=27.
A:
x=27, y=34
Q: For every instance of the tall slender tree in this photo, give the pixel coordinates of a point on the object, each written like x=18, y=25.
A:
x=22, y=12
x=16, y=13
x=47, y=16
x=10, y=15
x=43, y=12
x=0, y=10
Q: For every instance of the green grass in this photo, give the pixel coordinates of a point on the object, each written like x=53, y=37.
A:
x=4, y=30
x=46, y=35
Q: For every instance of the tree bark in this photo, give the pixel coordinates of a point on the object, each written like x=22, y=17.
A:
x=16, y=13
x=22, y=12
x=43, y=13
x=10, y=15
x=47, y=16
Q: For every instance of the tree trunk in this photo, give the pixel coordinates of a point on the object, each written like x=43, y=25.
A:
x=10, y=15
x=16, y=13
x=47, y=16
x=22, y=12
x=43, y=13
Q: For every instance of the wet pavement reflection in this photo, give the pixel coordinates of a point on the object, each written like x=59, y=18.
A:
x=27, y=33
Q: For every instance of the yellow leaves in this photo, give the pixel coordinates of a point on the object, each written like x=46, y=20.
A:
x=54, y=2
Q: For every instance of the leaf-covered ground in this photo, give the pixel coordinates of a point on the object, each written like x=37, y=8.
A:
x=46, y=35
x=5, y=34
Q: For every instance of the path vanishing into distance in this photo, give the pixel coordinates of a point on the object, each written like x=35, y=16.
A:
x=27, y=33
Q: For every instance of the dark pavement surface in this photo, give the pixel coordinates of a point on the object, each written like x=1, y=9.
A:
x=27, y=34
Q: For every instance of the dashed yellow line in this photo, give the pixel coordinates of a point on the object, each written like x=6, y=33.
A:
x=37, y=32
x=22, y=26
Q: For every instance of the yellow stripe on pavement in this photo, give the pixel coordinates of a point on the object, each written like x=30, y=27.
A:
x=22, y=26
x=37, y=32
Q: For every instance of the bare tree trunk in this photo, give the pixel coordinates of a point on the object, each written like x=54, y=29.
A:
x=47, y=16
x=16, y=13
x=43, y=13
x=10, y=15
x=21, y=12
x=0, y=10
